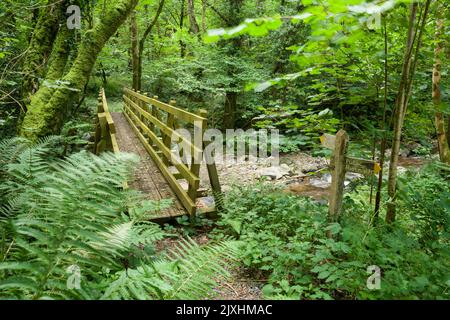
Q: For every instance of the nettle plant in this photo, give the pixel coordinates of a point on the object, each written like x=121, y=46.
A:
x=69, y=231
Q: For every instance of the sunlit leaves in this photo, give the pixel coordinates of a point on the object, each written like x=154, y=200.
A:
x=252, y=27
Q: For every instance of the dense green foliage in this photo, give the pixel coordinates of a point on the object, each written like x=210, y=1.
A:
x=305, y=67
x=59, y=216
x=285, y=237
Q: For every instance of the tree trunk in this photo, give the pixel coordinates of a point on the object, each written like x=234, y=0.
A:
x=233, y=51
x=182, y=44
x=260, y=7
x=142, y=41
x=448, y=129
x=203, y=15
x=46, y=116
x=134, y=51
x=40, y=48
x=60, y=54
x=401, y=102
x=444, y=152
x=193, y=25
x=229, y=110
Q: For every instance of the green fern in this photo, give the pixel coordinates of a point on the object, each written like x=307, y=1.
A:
x=61, y=218
x=69, y=217
x=188, y=272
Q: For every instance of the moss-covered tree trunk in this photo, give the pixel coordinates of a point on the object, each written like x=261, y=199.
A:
x=58, y=62
x=60, y=54
x=40, y=48
x=45, y=115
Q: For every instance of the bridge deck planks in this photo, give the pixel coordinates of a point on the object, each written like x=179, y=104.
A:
x=148, y=178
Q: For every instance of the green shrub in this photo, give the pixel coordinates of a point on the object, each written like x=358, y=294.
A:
x=284, y=236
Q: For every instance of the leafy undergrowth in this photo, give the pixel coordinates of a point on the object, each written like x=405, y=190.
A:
x=285, y=237
x=69, y=231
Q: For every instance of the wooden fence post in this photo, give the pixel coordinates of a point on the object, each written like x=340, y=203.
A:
x=337, y=177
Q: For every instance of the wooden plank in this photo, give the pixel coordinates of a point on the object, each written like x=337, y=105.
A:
x=98, y=134
x=212, y=173
x=197, y=158
x=109, y=121
x=167, y=139
x=164, y=128
x=181, y=167
x=177, y=112
x=115, y=146
x=102, y=144
x=328, y=141
x=213, y=177
x=182, y=196
x=337, y=177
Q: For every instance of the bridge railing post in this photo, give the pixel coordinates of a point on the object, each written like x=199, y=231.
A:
x=211, y=167
x=156, y=114
x=197, y=155
x=155, y=124
x=101, y=126
x=167, y=139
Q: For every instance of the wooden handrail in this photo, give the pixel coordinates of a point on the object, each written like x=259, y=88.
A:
x=177, y=112
x=184, y=170
x=105, y=134
x=155, y=124
x=155, y=121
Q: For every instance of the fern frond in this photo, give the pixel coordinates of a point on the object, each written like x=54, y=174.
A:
x=68, y=217
x=190, y=272
x=199, y=268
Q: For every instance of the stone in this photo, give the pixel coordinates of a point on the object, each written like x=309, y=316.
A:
x=274, y=173
x=87, y=137
x=401, y=170
x=321, y=182
x=284, y=167
x=353, y=176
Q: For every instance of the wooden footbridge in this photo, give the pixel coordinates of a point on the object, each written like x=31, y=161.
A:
x=147, y=128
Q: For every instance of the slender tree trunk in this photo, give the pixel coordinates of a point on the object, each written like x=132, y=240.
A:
x=444, y=152
x=46, y=116
x=233, y=50
x=203, y=15
x=193, y=25
x=401, y=103
x=135, y=54
x=144, y=38
x=383, y=126
x=182, y=44
x=229, y=110
x=260, y=4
